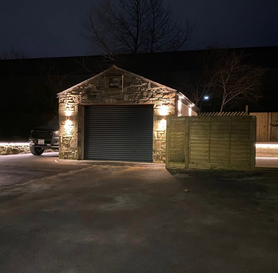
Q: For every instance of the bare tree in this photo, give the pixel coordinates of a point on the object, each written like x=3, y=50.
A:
x=135, y=26
x=228, y=78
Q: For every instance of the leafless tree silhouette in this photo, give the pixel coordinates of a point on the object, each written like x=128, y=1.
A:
x=135, y=26
x=228, y=77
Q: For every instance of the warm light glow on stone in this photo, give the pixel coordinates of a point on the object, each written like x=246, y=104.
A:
x=68, y=127
x=14, y=143
x=164, y=110
x=162, y=125
x=68, y=113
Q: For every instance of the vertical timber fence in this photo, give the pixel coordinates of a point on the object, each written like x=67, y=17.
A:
x=267, y=126
x=211, y=142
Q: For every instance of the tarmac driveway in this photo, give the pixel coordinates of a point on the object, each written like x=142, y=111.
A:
x=141, y=219
x=21, y=168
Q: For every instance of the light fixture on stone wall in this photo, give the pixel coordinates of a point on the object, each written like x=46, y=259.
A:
x=162, y=124
x=68, y=127
x=68, y=111
x=164, y=110
x=179, y=108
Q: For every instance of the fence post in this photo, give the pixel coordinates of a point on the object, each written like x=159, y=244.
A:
x=186, y=142
x=253, y=134
x=269, y=121
x=167, y=141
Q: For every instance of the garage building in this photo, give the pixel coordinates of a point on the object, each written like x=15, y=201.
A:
x=118, y=116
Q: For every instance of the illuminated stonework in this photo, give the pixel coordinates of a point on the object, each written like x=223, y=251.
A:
x=134, y=89
x=14, y=148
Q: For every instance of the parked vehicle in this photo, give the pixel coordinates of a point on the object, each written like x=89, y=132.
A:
x=44, y=137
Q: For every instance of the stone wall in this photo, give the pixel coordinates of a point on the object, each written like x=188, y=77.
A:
x=18, y=148
x=132, y=89
x=68, y=120
x=14, y=148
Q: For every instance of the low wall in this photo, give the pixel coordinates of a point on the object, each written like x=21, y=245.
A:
x=267, y=149
x=14, y=148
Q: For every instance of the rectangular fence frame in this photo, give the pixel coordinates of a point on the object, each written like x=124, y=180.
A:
x=238, y=147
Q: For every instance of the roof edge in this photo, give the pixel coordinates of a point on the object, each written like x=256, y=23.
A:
x=120, y=69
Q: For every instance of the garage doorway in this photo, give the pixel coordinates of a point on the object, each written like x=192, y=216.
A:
x=119, y=133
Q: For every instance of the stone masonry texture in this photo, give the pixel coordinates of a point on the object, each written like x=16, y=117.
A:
x=131, y=90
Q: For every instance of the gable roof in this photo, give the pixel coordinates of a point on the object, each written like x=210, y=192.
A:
x=123, y=71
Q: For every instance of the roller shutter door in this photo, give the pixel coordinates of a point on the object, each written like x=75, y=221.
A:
x=120, y=133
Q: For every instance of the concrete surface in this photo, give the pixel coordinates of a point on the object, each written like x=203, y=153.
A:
x=16, y=169
x=97, y=218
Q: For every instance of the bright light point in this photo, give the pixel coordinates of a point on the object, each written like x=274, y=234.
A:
x=68, y=127
x=162, y=125
x=179, y=108
x=163, y=110
x=68, y=113
x=179, y=105
x=206, y=97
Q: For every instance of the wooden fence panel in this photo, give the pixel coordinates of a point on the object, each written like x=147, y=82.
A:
x=274, y=127
x=175, y=142
x=267, y=126
x=226, y=142
x=219, y=143
x=242, y=140
x=198, y=141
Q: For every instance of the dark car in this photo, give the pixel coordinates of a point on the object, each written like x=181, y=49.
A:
x=44, y=137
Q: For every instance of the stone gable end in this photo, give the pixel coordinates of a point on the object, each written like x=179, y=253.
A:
x=114, y=86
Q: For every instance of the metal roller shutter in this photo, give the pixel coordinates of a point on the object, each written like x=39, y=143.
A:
x=120, y=133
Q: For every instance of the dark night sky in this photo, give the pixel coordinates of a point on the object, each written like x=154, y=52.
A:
x=53, y=28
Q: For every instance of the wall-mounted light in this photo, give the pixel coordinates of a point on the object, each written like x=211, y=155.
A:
x=179, y=108
x=162, y=124
x=164, y=110
x=68, y=127
x=206, y=97
x=68, y=113
x=69, y=109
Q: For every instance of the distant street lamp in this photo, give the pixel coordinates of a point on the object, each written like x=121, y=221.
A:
x=206, y=103
x=206, y=97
